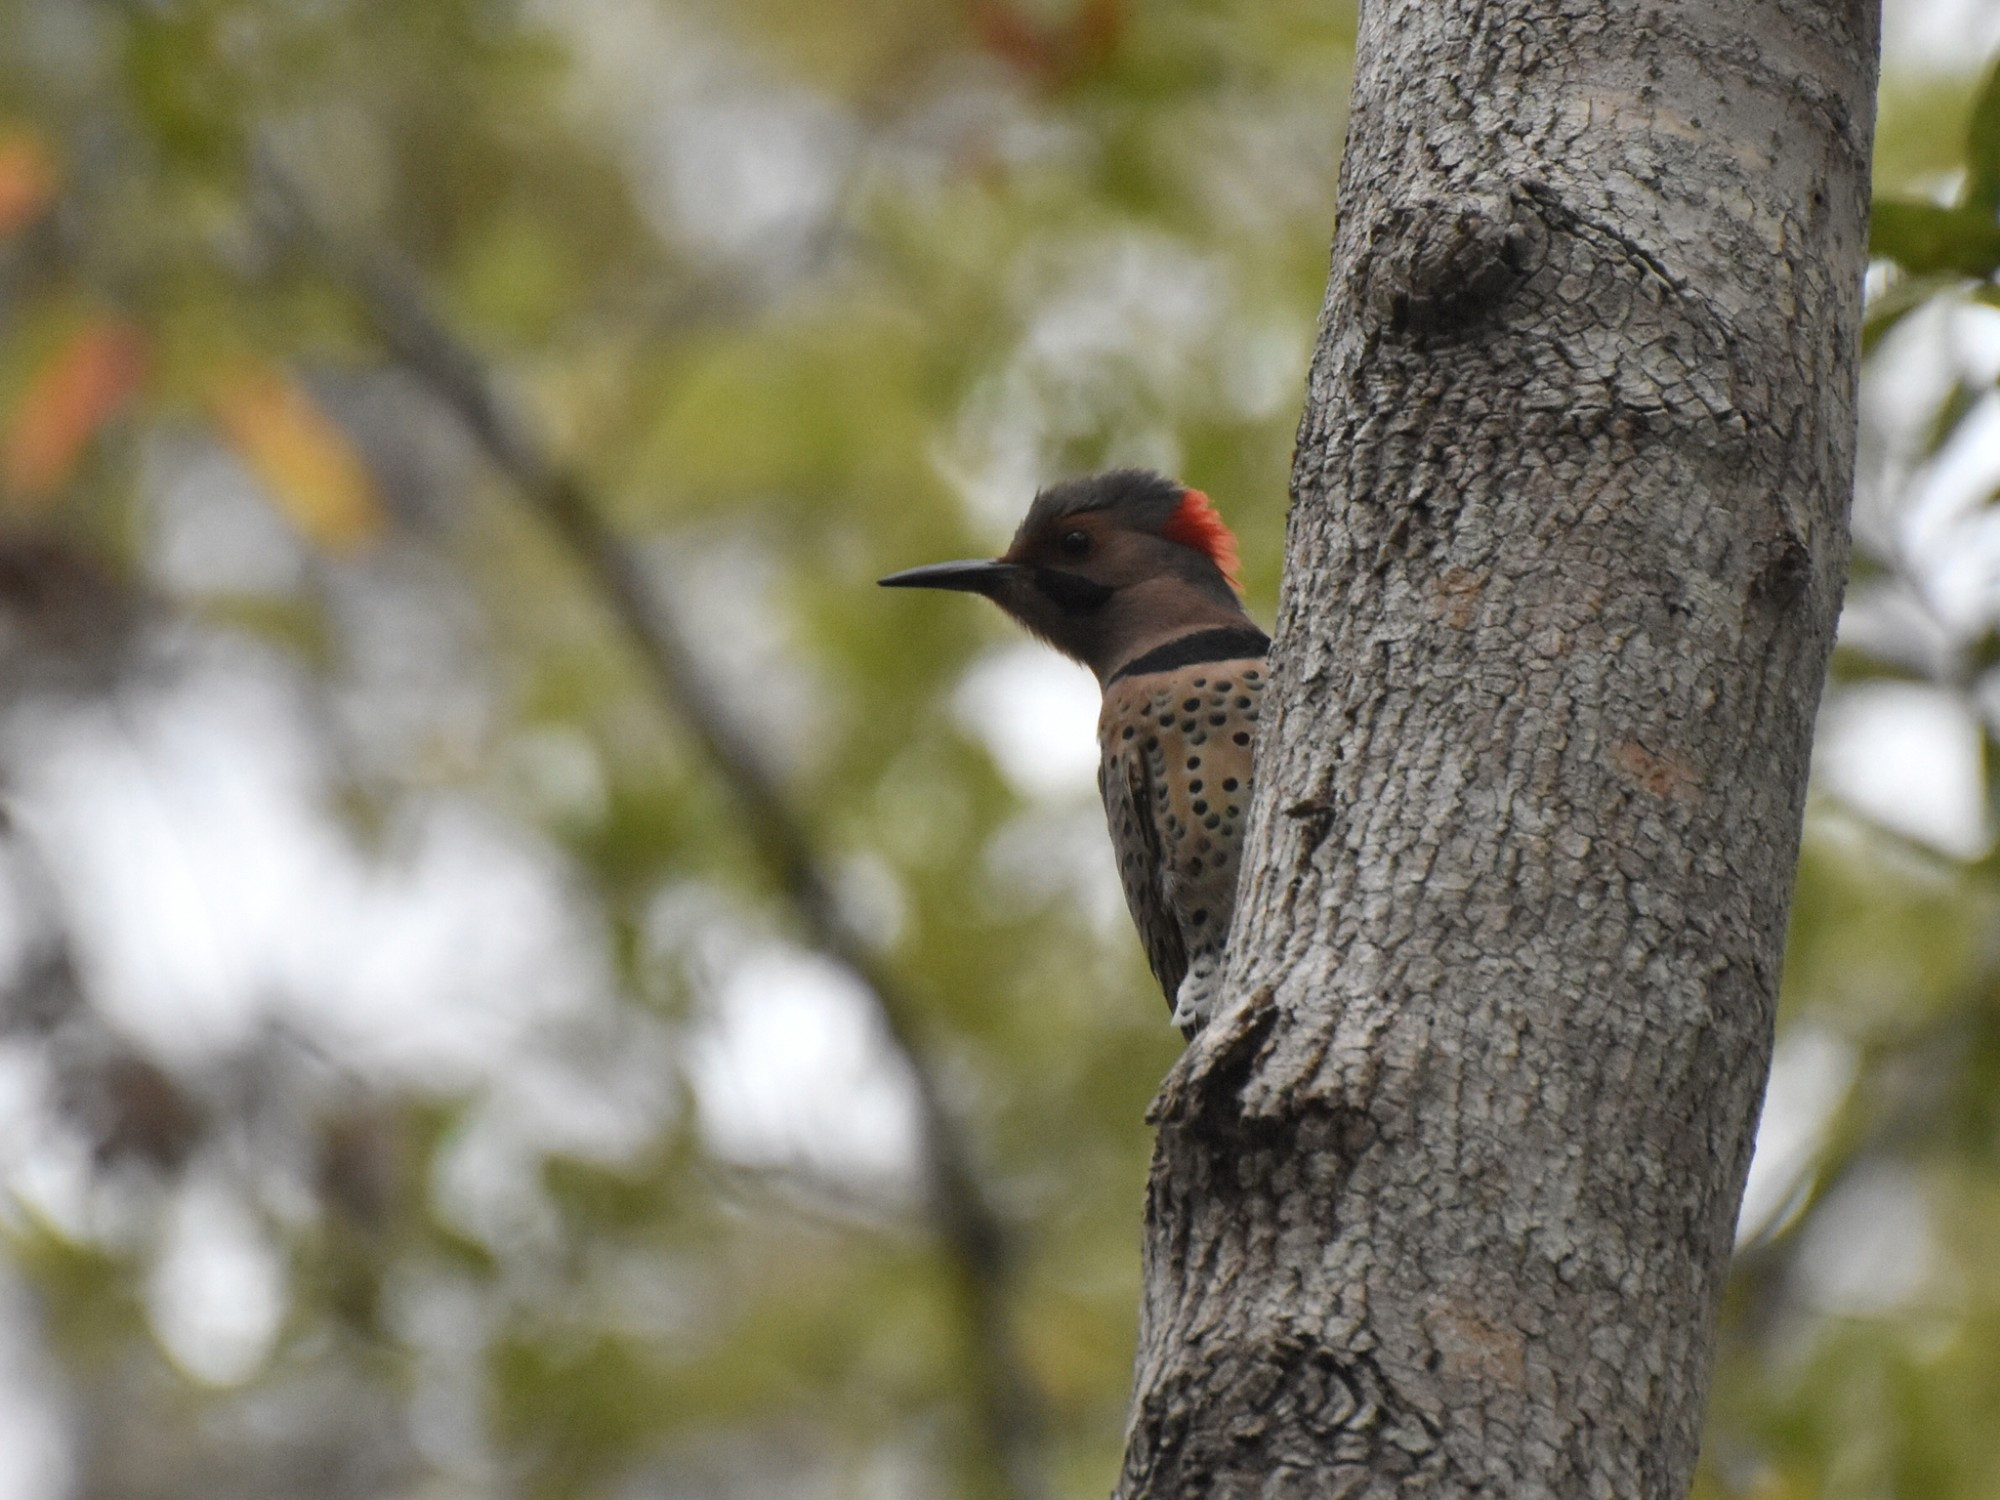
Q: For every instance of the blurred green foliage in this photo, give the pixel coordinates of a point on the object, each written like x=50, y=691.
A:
x=805, y=293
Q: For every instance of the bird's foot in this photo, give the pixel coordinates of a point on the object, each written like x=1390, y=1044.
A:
x=1195, y=1001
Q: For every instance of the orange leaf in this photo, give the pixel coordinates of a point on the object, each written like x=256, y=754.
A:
x=300, y=455
x=74, y=392
x=28, y=179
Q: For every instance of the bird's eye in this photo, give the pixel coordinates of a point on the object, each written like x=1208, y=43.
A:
x=1075, y=543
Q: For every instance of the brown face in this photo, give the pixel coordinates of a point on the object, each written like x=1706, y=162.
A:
x=1062, y=542
x=1057, y=580
x=1088, y=545
x=1095, y=588
x=1091, y=584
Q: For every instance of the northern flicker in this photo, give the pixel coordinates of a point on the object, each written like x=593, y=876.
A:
x=1135, y=576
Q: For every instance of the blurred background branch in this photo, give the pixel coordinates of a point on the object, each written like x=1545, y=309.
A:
x=397, y=308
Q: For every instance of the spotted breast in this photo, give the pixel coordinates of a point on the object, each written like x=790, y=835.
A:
x=1175, y=777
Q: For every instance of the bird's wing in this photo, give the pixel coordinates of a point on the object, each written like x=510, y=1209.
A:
x=1132, y=796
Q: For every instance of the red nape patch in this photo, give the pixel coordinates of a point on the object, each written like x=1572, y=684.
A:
x=1197, y=525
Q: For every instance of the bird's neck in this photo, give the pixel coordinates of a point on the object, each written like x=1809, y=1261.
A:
x=1146, y=635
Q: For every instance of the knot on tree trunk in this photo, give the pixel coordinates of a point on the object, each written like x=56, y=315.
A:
x=1444, y=267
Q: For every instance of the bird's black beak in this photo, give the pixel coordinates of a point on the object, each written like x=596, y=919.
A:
x=979, y=576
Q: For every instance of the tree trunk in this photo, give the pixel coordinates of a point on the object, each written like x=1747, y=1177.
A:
x=1443, y=1198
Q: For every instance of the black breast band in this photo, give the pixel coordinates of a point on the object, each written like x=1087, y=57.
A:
x=1224, y=643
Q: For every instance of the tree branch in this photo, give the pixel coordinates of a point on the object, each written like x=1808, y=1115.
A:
x=968, y=1227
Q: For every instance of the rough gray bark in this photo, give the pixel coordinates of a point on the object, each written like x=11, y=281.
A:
x=1443, y=1198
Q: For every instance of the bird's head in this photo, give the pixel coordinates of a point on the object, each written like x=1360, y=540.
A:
x=1106, y=568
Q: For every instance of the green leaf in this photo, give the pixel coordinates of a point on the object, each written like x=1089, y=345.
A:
x=1922, y=237
x=1982, y=145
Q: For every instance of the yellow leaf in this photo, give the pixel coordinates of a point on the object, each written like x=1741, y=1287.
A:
x=300, y=455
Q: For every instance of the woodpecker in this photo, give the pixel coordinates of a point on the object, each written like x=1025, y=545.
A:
x=1134, y=575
